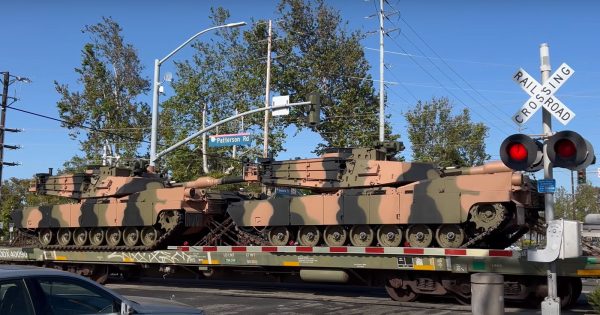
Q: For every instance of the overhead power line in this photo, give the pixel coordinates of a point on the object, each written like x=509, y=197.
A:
x=78, y=125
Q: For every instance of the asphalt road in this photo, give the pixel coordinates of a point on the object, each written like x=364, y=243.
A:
x=232, y=297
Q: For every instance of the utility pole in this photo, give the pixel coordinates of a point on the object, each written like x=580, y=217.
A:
x=267, y=96
x=5, y=83
x=381, y=84
x=573, y=197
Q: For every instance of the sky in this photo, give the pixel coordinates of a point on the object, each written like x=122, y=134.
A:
x=466, y=50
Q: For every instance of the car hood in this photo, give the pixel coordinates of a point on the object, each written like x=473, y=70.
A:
x=147, y=305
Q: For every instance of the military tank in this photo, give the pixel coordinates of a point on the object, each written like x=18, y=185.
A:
x=126, y=208
x=364, y=197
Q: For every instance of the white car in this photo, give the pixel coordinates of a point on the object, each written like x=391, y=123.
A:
x=26, y=290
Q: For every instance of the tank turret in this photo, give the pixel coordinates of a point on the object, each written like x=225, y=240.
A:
x=345, y=168
x=95, y=182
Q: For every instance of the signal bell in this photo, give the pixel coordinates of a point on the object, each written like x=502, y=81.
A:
x=521, y=153
x=569, y=150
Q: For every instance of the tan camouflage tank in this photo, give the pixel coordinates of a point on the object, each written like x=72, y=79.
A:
x=120, y=208
x=363, y=197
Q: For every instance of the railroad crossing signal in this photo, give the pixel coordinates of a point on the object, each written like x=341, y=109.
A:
x=543, y=95
x=566, y=149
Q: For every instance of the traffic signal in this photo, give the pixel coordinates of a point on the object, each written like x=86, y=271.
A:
x=581, y=178
x=521, y=153
x=314, y=110
x=567, y=149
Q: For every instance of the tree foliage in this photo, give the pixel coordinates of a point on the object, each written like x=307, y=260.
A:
x=585, y=201
x=319, y=54
x=312, y=51
x=110, y=75
x=438, y=136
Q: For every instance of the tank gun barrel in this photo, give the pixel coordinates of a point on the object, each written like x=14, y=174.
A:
x=488, y=168
x=207, y=181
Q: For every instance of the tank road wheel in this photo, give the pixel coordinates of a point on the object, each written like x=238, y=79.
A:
x=394, y=289
x=113, y=236
x=150, y=235
x=131, y=236
x=80, y=236
x=389, y=235
x=419, y=235
x=63, y=236
x=309, y=235
x=449, y=235
x=279, y=236
x=46, y=237
x=335, y=235
x=361, y=235
x=96, y=236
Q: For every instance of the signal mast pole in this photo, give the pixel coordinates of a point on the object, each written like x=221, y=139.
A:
x=552, y=300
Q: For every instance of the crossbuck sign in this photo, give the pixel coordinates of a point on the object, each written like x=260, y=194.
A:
x=543, y=95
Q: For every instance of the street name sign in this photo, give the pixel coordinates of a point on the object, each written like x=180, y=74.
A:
x=228, y=140
x=543, y=95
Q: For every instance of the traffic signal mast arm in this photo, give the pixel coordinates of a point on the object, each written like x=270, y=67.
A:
x=313, y=118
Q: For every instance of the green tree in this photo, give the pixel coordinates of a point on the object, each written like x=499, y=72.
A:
x=586, y=201
x=110, y=75
x=438, y=136
x=319, y=54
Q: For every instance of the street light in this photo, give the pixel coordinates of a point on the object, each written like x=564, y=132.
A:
x=157, y=63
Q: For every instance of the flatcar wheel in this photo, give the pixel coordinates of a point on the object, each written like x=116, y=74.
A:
x=80, y=236
x=419, y=235
x=309, y=235
x=113, y=236
x=96, y=236
x=389, y=235
x=150, y=235
x=361, y=235
x=63, y=236
x=399, y=294
x=335, y=235
x=449, y=235
x=279, y=236
x=131, y=236
x=46, y=236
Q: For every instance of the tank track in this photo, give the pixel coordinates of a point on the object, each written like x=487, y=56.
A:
x=163, y=239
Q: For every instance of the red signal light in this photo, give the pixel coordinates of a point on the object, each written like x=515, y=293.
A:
x=517, y=151
x=565, y=148
x=521, y=153
x=568, y=149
